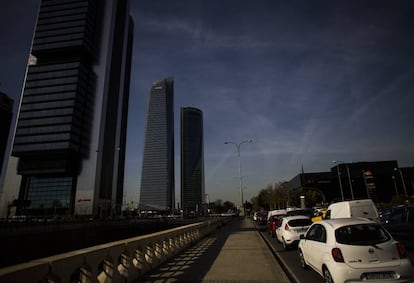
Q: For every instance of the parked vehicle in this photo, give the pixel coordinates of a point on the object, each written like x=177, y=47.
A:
x=352, y=209
x=273, y=223
x=255, y=215
x=319, y=215
x=398, y=214
x=300, y=211
x=261, y=217
x=276, y=212
x=354, y=250
x=400, y=224
x=290, y=229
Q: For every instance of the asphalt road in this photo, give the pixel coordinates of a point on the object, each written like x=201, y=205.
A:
x=290, y=259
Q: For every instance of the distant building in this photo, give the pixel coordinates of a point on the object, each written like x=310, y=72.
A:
x=192, y=161
x=69, y=145
x=323, y=183
x=6, y=116
x=407, y=174
x=370, y=179
x=378, y=180
x=157, y=179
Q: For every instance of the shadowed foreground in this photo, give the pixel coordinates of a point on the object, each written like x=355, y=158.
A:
x=233, y=254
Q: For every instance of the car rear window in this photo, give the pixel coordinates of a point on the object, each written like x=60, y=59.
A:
x=363, y=234
x=299, y=222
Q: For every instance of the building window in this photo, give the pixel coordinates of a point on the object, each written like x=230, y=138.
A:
x=54, y=192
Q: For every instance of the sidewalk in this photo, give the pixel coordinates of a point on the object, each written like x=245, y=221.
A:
x=235, y=253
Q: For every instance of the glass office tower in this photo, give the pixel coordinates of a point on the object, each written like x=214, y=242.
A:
x=192, y=161
x=6, y=116
x=157, y=180
x=69, y=143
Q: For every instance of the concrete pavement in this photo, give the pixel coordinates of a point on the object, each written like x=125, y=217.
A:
x=234, y=253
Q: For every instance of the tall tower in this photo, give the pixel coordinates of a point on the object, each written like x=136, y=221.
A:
x=6, y=115
x=69, y=143
x=157, y=180
x=192, y=161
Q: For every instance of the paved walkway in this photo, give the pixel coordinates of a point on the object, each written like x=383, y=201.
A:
x=235, y=253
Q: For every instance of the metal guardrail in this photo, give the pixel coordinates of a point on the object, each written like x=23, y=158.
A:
x=120, y=261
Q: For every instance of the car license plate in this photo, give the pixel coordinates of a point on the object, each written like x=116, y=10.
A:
x=378, y=275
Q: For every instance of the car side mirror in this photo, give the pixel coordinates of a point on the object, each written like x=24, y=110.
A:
x=302, y=237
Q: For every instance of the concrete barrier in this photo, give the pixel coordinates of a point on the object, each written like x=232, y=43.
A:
x=121, y=261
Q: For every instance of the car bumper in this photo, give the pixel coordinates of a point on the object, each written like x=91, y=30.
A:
x=341, y=272
x=292, y=238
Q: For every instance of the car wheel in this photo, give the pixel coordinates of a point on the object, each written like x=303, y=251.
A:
x=302, y=260
x=327, y=276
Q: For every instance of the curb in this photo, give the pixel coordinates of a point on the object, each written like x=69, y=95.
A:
x=289, y=273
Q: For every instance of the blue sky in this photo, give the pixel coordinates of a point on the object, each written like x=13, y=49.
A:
x=308, y=81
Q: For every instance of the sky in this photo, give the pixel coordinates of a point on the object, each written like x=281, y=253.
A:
x=308, y=81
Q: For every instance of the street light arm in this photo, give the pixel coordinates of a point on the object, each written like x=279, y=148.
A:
x=238, y=144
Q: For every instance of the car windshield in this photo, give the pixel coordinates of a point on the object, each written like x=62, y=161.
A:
x=299, y=222
x=363, y=234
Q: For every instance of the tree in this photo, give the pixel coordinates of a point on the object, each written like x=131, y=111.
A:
x=265, y=197
x=221, y=207
x=277, y=196
x=255, y=203
x=228, y=205
x=312, y=197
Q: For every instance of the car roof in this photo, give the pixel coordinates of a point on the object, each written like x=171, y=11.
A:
x=296, y=217
x=340, y=222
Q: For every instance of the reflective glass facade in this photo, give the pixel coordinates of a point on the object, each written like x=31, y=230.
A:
x=192, y=161
x=6, y=115
x=69, y=143
x=51, y=195
x=157, y=180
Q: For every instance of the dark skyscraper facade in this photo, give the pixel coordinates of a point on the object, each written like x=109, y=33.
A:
x=157, y=179
x=6, y=116
x=192, y=161
x=69, y=144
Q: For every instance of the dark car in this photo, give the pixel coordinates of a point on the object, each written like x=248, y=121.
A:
x=261, y=217
x=400, y=223
x=272, y=224
x=301, y=211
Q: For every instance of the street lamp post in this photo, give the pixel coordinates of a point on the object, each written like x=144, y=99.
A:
x=402, y=180
x=240, y=176
x=350, y=182
x=349, y=177
x=395, y=186
x=340, y=182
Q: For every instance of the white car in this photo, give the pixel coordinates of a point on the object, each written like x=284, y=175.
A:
x=354, y=250
x=290, y=229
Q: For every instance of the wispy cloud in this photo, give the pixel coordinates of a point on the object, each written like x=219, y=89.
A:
x=309, y=84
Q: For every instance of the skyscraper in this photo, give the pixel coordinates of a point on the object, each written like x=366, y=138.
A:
x=192, y=161
x=69, y=144
x=6, y=115
x=157, y=179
